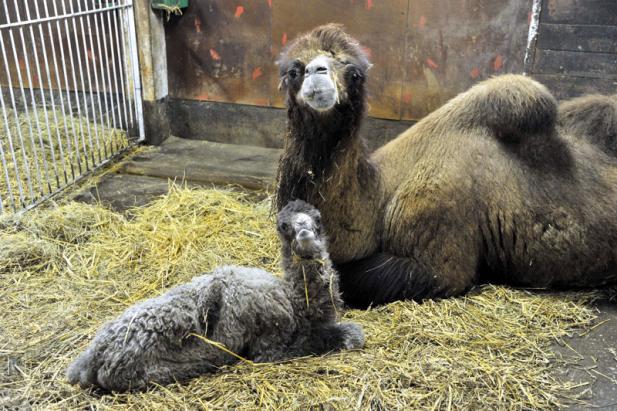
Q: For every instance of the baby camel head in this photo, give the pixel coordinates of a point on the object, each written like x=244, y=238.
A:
x=300, y=231
x=323, y=68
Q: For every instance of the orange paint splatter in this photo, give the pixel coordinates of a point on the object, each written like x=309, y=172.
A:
x=270, y=3
x=202, y=96
x=367, y=51
x=261, y=102
x=498, y=63
x=369, y=4
x=474, y=73
x=529, y=18
x=422, y=22
x=431, y=63
x=239, y=11
x=197, y=24
x=407, y=98
x=257, y=73
x=284, y=39
x=214, y=54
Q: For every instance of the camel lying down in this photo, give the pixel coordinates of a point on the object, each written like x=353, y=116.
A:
x=194, y=328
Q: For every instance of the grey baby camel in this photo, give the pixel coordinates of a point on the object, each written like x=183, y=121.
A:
x=249, y=311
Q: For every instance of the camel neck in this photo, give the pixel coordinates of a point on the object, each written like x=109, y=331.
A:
x=313, y=284
x=320, y=147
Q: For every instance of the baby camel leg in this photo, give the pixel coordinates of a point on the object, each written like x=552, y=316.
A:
x=319, y=339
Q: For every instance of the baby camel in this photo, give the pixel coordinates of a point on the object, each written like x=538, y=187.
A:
x=196, y=327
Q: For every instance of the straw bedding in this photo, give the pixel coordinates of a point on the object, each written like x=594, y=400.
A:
x=67, y=269
x=61, y=141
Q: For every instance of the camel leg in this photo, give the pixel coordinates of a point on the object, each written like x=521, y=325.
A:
x=319, y=339
x=429, y=250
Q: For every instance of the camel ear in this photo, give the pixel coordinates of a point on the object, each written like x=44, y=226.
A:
x=282, y=83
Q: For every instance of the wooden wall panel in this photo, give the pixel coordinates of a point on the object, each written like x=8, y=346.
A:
x=219, y=50
x=452, y=44
x=576, y=49
x=596, y=12
x=423, y=51
x=598, y=39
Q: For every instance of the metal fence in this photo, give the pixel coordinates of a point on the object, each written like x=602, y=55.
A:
x=70, y=93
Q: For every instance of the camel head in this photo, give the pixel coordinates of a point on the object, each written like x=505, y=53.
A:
x=299, y=226
x=323, y=68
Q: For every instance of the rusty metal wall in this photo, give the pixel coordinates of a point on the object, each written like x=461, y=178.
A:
x=424, y=51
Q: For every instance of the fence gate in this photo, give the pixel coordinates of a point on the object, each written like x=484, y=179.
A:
x=70, y=93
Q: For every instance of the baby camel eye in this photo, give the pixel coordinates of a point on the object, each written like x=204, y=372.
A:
x=292, y=73
x=321, y=70
x=284, y=226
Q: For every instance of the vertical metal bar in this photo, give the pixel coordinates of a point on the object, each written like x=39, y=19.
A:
x=76, y=137
x=51, y=93
x=137, y=98
x=71, y=153
x=10, y=139
x=83, y=87
x=89, y=78
x=32, y=101
x=110, y=83
x=37, y=65
x=106, y=126
x=16, y=116
x=122, y=83
x=126, y=60
x=95, y=59
x=16, y=113
x=117, y=104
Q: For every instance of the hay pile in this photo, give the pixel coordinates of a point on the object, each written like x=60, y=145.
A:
x=64, y=271
x=71, y=162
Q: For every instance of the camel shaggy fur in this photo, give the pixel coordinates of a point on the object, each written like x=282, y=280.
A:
x=249, y=311
x=499, y=184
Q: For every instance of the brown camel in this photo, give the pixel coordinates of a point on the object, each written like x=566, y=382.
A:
x=499, y=184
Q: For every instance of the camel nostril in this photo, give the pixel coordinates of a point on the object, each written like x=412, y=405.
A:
x=305, y=235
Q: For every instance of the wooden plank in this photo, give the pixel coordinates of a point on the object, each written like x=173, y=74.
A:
x=566, y=86
x=220, y=51
x=596, y=12
x=595, y=65
x=206, y=162
x=379, y=26
x=256, y=126
x=567, y=37
x=228, y=123
x=452, y=44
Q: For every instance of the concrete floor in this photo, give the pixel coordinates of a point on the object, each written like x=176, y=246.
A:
x=590, y=358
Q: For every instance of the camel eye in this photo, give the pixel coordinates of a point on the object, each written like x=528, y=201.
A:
x=321, y=70
x=293, y=73
x=284, y=226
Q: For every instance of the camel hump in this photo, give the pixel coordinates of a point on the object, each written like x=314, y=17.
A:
x=512, y=106
x=592, y=117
